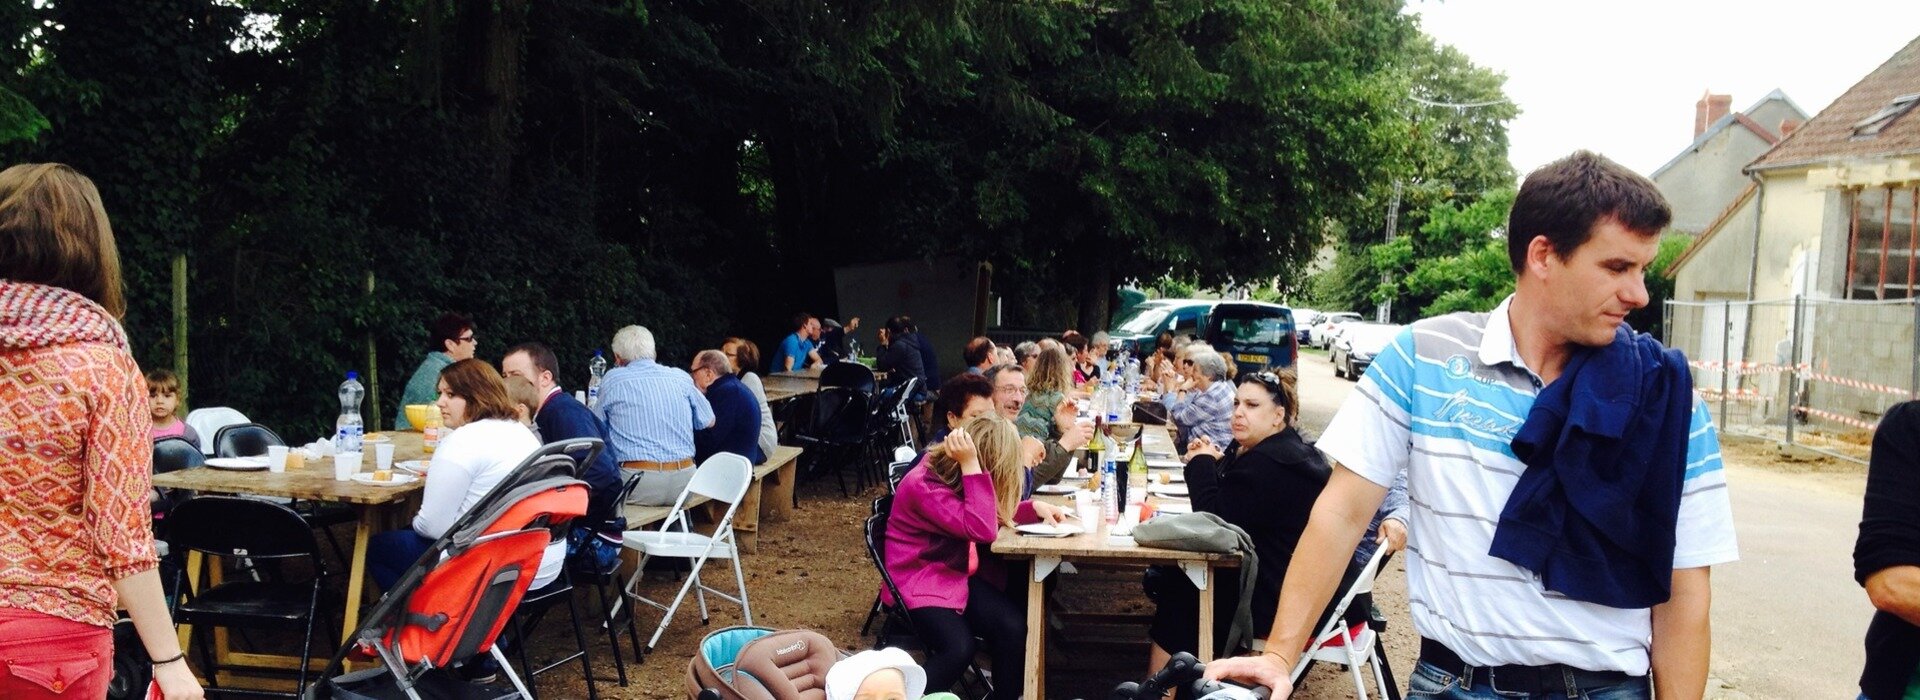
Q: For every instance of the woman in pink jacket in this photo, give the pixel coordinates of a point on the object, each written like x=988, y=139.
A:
x=947, y=507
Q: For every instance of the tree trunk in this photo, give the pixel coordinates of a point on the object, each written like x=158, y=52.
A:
x=1096, y=288
x=492, y=36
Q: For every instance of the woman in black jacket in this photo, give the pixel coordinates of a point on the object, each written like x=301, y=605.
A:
x=1265, y=483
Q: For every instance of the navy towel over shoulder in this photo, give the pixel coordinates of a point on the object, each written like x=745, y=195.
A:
x=1606, y=452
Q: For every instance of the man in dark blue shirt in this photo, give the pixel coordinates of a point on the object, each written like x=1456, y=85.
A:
x=562, y=418
x=736, y=413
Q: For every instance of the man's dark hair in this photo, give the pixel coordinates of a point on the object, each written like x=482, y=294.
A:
x=994, y=372
x=899, y=326
x=541, y=355
x=448, y=327
x=957, y=391
x=979, y=350
x=800, y=320
x=1565, y=199
x=1074, y=340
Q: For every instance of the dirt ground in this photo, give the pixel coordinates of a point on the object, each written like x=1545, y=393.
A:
x=813, y=573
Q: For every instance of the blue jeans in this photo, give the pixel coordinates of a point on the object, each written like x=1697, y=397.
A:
x=391, y=553
x=1431, y=681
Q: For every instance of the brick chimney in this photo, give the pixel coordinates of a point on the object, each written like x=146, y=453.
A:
x=1787, y=126
x=1708, y=110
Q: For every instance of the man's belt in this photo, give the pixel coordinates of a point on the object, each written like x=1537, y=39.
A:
x=646, y=465
x=1549, y=678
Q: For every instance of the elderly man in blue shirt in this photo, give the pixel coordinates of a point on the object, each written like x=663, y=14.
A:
x=651, y=412
x=1204, y=408
x=736, y=412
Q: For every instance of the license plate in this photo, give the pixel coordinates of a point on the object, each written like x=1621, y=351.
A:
x=1244, y=357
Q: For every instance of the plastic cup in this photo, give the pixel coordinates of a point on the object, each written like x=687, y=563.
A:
x=383, y=456
x=345, y=465
x=277, y=458
x=1132, y=514
x=1086, y=505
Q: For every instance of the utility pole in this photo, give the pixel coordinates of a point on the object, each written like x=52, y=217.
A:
x=1384, y=314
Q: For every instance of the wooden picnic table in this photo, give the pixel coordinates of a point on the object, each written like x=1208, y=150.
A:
x=781, y=386
x=1096, y=547
x=313, y=481
x=786, y=385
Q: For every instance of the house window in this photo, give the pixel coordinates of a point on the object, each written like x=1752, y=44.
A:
x=1882, y=260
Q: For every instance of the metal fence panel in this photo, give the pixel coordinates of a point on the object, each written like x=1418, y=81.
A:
x=1817, y=373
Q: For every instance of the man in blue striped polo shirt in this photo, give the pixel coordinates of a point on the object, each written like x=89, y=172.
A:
x=651, y=412
x=1442, y=404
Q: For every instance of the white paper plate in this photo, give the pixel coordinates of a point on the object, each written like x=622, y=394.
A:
x=241, y=464
x=1045, y=530
x=397, y=480
x=1173, y=507
x=1165, y=463
x=414, y=466
x=1054, y=488
x=1174, y=490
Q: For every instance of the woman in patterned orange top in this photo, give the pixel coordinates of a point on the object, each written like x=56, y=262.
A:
x=75, y=461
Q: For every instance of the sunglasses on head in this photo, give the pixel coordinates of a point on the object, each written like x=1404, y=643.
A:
x=1267, y=378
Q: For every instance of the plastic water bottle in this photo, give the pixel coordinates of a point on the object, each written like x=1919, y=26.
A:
x=596, y=371
x=1110, y=495
x=349, y=430
x=1114, y=398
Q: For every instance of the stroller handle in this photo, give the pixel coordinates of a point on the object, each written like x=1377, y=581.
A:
x=1183, y=670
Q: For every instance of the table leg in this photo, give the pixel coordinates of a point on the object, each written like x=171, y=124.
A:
x=357, y=575
x=1036, y=636
x=1206, y=617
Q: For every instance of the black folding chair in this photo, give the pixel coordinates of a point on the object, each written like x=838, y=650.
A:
x=836, y=432
x=227, y=526
x=849, y=374
x=245, y=440
x=890, y=609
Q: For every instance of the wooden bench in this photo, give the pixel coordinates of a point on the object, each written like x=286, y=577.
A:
x=769, y=499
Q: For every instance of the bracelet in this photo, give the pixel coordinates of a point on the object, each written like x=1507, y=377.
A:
x=182, y=656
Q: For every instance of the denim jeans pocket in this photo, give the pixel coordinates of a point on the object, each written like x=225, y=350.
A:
x=1429, y=681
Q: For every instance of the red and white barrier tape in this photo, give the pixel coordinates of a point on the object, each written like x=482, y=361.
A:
x=1857, y=384
x=1837, y=418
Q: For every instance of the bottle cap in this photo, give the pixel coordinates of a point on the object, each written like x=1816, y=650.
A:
x=353, y=375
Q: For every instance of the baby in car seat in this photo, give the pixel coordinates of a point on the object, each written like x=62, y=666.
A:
x=882, y=674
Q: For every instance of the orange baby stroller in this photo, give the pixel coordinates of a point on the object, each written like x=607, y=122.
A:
x=458, y=596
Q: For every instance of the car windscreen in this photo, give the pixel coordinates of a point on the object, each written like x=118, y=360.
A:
x=1270, y=330
x=1140, y=321
x=1371, y=338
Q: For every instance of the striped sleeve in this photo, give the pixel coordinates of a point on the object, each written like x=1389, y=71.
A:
x=1372, y=433
x=1704, y=536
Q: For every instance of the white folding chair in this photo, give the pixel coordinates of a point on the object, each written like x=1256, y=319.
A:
x=723, y=477
x=1339, y=643
x=902, y=461
x=208, y=421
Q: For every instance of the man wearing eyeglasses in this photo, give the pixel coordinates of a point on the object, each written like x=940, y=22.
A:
x=1456, y=404
x=1046, y=460
x=449, y=340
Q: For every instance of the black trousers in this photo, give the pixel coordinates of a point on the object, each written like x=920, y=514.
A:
x=949, y=636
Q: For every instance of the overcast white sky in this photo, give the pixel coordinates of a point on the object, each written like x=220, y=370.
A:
x=1621, y=76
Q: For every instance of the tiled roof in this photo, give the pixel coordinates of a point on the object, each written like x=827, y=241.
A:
x=1829, y=136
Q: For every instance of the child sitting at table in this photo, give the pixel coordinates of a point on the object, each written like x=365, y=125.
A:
x=946, y=507
x=163, y=399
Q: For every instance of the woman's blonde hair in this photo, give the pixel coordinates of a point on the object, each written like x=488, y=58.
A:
x=54, y=231
x=1052, y=371
x=998, y=444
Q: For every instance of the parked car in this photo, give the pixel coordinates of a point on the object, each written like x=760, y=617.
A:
x=1357, y=345
x=1303, y=320
x=1258, y=334
x=1321, y=333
